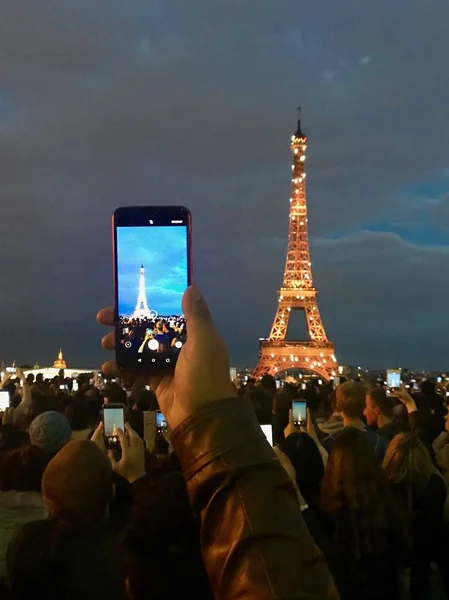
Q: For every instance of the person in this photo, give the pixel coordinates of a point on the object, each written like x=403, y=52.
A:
x=250, y=547
x=350, y=403
x=422, y=493
x=334, y=423
x=362, y=520
x=73, y=553
x=379, y=413
x=50, y=431
x=441, y=449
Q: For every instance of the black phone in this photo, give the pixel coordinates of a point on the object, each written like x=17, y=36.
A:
x=161, y=423
x=113, y=419
x=299, y=412
x=152, y=269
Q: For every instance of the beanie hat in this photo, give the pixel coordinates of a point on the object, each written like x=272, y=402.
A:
x=50, y=431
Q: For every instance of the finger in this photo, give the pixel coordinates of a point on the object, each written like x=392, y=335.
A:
x=132, y=435
x=111, y=369
x=290, y=417
x=122, y=439
x=106, y=316
x=108, y=341
x=112, y=459
x=98, y=433
x=196, y=312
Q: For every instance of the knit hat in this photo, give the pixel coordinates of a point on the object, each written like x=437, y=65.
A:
x=50, y=431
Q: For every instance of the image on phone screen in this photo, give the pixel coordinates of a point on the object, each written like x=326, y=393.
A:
x=113, y=419
x=152, y=271
x=278, y=383
x=4, y=400
x=299, y=412
x=268, y=432
x=394, y=378
x=233, y=373
x=161, y=422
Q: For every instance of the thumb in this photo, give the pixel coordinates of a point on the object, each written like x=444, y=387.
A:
x=196, y=312
x=112, y=460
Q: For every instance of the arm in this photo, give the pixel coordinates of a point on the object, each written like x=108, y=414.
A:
x=26, y=401
x=254, y=539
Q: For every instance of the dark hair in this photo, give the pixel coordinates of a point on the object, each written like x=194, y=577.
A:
x=351, y=399
x=77, y=412
x=115, y=394
x=308, y=464
x=379, y=397
x=40, y=403
x=355, y=493
x=268, y=383
x=22, y=469
x=147, y=400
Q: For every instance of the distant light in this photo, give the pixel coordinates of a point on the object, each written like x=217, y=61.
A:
x=178, y=344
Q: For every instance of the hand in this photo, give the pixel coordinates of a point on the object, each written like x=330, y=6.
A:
x=132, y=464
x=202, y=372
x=6, y=378
x=446, y=423
x=20, y=375
x=407, y=400
x=8, y=417
x=98, y=437
x=291, y=426
x=310, y=427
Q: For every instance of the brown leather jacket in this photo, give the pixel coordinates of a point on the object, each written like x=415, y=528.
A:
x=254, y=540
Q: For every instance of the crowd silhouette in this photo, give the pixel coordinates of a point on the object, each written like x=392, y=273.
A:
x=352, y=505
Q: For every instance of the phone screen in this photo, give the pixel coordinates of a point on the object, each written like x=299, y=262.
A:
x=394, y=378
x=62, y=387
x=161, y=422
x=152, y=271
x=268, y=432
x=336, y=381
x=4, y=400
x=278, y=383
x=74, y=386
x=299, y=412
x=233, y=373
x=113, y=419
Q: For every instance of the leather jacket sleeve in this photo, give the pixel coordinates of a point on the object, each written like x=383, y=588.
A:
x=254, y=540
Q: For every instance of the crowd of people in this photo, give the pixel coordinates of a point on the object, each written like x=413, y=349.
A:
x=153, y=334
x=351, y=506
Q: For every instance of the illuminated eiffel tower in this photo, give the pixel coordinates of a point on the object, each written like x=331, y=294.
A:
x=297, y=292
x=142, y=310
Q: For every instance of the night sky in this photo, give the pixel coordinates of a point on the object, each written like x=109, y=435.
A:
x=109, y=103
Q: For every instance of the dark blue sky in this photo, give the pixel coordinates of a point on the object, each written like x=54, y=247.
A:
x=163, y=253
x=105, y=103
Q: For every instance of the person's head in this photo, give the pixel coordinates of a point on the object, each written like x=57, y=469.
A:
x=30, y=378
x=268, y=384
x=114, y=394
x=377, y=405
x=22, y=469
x=351, y=400
x=428, y=387
x=77, y=412
x=354, y=492
x=50, y=431
x=146, y=400
x=258, y=399
x=77, y=485
x=407, y=461
x=308, y=464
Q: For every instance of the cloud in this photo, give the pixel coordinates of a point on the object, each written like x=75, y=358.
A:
x=105, y=104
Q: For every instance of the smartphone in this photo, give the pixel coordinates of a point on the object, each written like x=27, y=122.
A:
x=74, y=386
x=233, y=373
x=113, y=419
x=62, y=387
x=4, y=400
x=394, y=378
x=336, y=381
x=268, y=432
x=278, y=383
x=152, y=269
x=415, y=387
x=439, y=380
x=299, y=412
x=161, y=423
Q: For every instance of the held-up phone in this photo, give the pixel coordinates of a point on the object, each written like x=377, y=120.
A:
x=299, y=413
x=394, y=379
x=233, y=373
x=278, y=383
x=4, y=400
x=152, y=269
x=74, y=386
x=336, y=381
x=268, y=432
x=113, y=419
x=62, y=386
x=161, y=423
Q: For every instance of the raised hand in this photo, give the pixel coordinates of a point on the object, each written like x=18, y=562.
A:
x=131, y=466
x=202, y=371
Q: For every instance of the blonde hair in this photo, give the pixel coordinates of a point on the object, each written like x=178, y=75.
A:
x=350, y=398
x=407, y=461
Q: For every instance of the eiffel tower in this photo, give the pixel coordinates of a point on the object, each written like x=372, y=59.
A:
x=297, y=292
x=142, y=311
